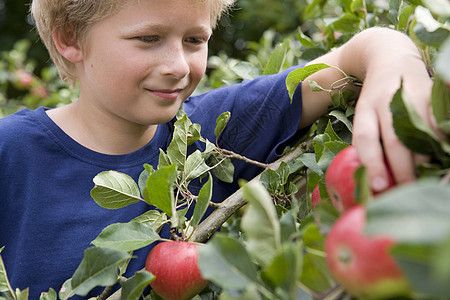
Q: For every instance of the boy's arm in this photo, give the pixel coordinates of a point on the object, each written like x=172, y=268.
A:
x=381, y=58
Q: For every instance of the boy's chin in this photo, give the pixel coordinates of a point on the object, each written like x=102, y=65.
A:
x=168, y=117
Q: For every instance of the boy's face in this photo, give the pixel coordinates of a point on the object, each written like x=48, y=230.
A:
x=140, y=64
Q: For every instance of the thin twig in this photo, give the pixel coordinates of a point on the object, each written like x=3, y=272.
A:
x=233, y=203
x=104, y=295
x=231, y=154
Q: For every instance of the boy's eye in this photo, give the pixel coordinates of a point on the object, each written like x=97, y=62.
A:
x=149, y=39
x=196, y=40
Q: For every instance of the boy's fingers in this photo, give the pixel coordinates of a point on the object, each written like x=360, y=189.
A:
x=399, y=157
x=366, y=139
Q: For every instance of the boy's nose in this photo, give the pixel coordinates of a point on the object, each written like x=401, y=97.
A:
x=176, y=63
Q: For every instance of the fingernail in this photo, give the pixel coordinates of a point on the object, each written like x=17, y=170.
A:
x=379, y=184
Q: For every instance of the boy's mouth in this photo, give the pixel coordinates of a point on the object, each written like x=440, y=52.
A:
x=166, y=94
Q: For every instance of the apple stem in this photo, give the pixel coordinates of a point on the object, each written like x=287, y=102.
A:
x=174, y=236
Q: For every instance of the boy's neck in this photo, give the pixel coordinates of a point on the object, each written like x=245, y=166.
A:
x=100, y=134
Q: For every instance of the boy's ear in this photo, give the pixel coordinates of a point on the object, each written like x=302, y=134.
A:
x=67, y=46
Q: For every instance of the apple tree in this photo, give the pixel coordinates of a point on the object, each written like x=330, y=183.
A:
x=273, y=242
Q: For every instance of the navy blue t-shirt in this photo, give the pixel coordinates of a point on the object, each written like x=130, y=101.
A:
x=47, y=216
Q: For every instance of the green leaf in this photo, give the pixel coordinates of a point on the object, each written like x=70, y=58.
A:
x=221, y=123
x=270, y=180
x=153, y=218
x=304, y=40
x=347, y=23
x=22, y=294
x=203, y=199
x=313, y=53
x=326, y=213
x=142, y=180
x=50, y=295
x=99, y=267
x=313, y=239
x=195, y=166
x=411, y=129
x=177, y=150
x=163, y=160
x=285, y=268
x=362, y=192
x=288, y=225
x=260, y=223
x=309, y=160
x=126, y=236
x=133, y=288
x=440, y=260
x=440, y=103
x=5, y=287
x=425, y=17
x=222, y=168
x=330, y=149
x=404, y=16
x=300, y=74
x=312, y=9
x=394, y=9
x=193, y=133
x=439, y=7
x=357, y=5
x=249, y=293
x=416, y=262
x=284, y=172
x=319, y=144
x=245, y=70
x=225, y=262
x=416, y=213
x=433, y=39
x=326, y=146
x=114, y=190
x=66, y=290
x=330, y=131
x=428, y=30
x=315, y=87
x=442, y=61
x=341, y=116
x=159, y=190
x=315, y=272
x=276, y=59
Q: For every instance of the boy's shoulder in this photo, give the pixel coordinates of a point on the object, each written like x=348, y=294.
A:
x=17, y=126
x=18, y=118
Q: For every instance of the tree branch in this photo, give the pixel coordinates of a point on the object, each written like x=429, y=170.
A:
x=231, y=205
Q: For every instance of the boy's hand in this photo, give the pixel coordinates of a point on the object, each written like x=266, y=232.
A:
x=382, y=58
x=373, y=121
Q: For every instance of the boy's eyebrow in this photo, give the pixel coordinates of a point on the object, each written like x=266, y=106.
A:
x=159, y=27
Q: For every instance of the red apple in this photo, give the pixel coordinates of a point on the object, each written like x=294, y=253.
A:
x=174, y=263
x=339, y=178
x=360, y=263
x=315, y=197
x=24, y=78
x=39, y=91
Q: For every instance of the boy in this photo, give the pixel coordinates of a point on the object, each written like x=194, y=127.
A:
x=137, y=62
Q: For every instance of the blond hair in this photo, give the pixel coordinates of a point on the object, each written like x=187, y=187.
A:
x=73, y=19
